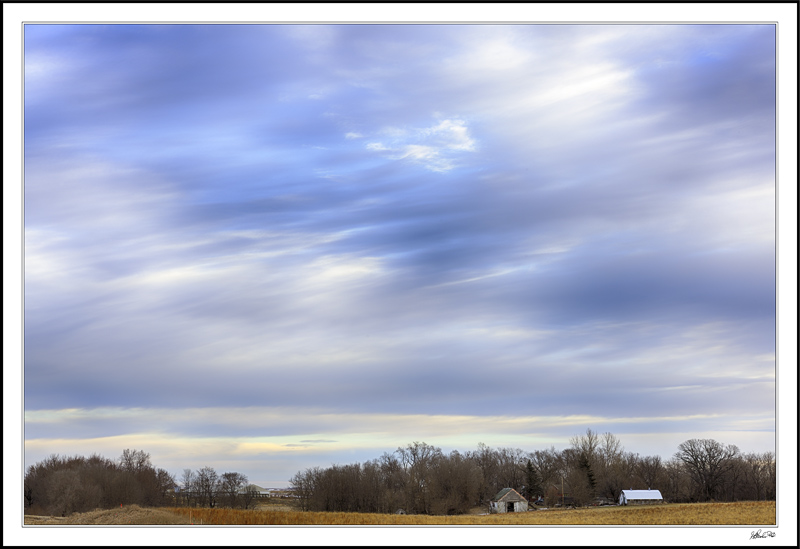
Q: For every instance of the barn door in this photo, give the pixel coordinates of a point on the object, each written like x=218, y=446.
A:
x=510, y=507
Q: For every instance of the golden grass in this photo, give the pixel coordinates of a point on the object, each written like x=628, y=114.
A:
x=127, y=515
x=761, y=513
x=745, y=513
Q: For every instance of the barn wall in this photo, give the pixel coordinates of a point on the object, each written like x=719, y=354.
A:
x=519, y=507
x=502, y=506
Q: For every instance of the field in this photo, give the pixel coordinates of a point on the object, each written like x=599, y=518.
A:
x=745, y=513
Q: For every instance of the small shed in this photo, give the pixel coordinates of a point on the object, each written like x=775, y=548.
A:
x=508, y=500
x=639, y=497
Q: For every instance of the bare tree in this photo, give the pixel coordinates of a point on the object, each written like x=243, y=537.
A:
x=732, y=486
x=586, y=458
x=487, y=461
x=188, y=486
x=510, y=468
x=455, y=484
x=134, y=460
x=249, y=496
x=588, y=445
x=65, y=485
x=207, y=484
x=231, y=485
x=165, y=482
x=550, y=466
x=417, y=459
x=707, y=462
x=677, y=482
x=610, y=450
x=649, y=470
x=772, y=475
x=306, y=485
x=395, y=481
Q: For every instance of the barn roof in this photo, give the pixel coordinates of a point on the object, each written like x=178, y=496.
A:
x=642, y=494
x=508, y=494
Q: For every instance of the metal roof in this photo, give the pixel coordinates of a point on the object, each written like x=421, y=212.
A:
x=642, y=494
x=509, y=494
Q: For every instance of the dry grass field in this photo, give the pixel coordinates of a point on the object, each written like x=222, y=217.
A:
x=128, y=515
x=744, y=513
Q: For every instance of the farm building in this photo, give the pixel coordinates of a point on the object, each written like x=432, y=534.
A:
x=638, y=497
x=256, y=491
x=508, y=500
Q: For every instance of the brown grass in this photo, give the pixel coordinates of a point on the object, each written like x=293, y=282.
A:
x=129, y=514
x=760, y=513
x=744, y=513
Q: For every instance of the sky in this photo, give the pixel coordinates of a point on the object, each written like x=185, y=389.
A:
x=270, y=247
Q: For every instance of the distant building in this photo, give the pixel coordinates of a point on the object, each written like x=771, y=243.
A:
x=283, y=493
x=639, y=497
x=255, y=490
x=508, y=500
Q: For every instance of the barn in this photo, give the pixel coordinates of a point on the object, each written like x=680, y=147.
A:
x=639, y=497
x=508, y=500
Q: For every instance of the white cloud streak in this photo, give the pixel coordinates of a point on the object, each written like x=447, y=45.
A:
x=436, y=147
x=404, y=223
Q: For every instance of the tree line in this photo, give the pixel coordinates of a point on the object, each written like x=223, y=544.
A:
x=61, y=485
x=419, y=478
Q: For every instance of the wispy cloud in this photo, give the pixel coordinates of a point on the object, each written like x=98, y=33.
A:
x=387, y=233
x=184, y=437
x=436, y=147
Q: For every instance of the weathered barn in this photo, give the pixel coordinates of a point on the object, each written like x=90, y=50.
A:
x=508, y=500
x=638, y=497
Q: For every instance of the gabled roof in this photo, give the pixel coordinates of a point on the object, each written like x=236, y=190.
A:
x=508, y=494
x=642, y=494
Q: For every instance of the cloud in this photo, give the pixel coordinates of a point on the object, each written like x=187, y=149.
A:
x=579, y=219
x=193, y=438
x=313, y=441
x=434, y=147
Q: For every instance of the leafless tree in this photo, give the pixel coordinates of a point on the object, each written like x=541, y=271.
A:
x=772, y=474
x=707, y=461
x=455, y=484
x=550, y=466
x=649, y=470
x=188, y=487
x=306, y=485
x=66, y=487
x=417, y=459
x=165, y=483
x=610, y=450
x=585, y=461
x=231, y=485
x=207, y=486
x=134, y=460
x=488, y=462
x=588, y=444
x=249, y=496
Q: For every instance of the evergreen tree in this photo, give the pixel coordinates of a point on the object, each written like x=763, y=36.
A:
x=533, y=487
x=587, y=467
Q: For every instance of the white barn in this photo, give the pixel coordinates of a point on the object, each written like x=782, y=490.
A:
x=634, y=497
